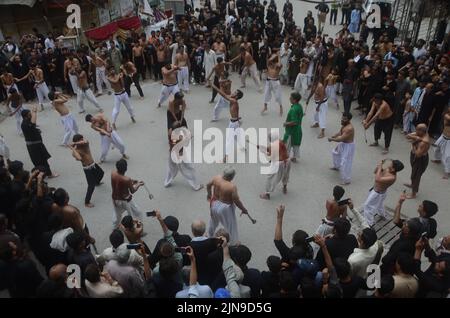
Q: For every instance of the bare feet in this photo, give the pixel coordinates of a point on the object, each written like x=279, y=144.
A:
x=321, y=135
x=285, y=189
x=315, y=125
x=264, y=110
x=81, y=111
x=200, y=187
x=375, y=144
x=211, y=102
x=159, y=105
x=124, y=156
x=385, y=151
x=294, y=160
x=407, y=185
x=436, y=161
x=334, y=168
x=133, y=120
x=411, y=195
x=446, y=176
x=89, y=205
x=265, y=196
x=114, y=126
x=243, y=86
x=54, y=175
x=281, y=111
x=345, y=183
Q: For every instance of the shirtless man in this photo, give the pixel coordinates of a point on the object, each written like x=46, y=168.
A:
x=100, y=74
x=234, y=127
x=301, y=82
x=70, y=67
x=419, y=157
x=320, y=116
x=218, y=71
x=223, y=198
x=131, y=76
x=442, y=149
x=71, y=215
x=169, y=83
x=273, y=82
x=384, y=178
x=84, y=91
x=225, y=86
x=120, y=96
x=108, y=135
x=161, y=58
x=330, y=86
x=8, y=81
x=382, y=115
x=220, y=48
x=16, y=107
x=345, y=150
x=183, y=64
x=249, y=67
x=59, y=101
x=138, y=59
x=37, y=76
x=335, y=210
x=175, y=112
x=94, y=174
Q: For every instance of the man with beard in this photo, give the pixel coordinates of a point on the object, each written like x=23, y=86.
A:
x=20, y=70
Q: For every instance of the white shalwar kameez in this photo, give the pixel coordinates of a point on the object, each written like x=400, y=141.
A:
x=225, y=214
x=343, y=156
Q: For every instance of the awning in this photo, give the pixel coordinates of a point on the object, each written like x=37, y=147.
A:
x=104, y=32
x=29, y=3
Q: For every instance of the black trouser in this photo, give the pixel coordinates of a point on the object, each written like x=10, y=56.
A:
x=135, y=80
x=157, y=70
x=386, y=126
x=140, y=67
x=418, y=167
x=333, y=16
x=94, y=176
x=216, y=83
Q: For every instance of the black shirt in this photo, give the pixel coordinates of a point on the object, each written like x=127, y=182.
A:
x=338, y=247
x=201, y=251
x=349, y=289
x=30, y=131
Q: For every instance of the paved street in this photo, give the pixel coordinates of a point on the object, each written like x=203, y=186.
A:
x=311, y=181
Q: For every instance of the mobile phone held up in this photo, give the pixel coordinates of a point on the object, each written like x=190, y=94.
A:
x=133, y=246
x=151, y=213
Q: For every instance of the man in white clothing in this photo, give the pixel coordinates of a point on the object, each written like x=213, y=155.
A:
x=120, y=95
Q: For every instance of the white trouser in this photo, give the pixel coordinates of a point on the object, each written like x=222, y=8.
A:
x=4, y=149
x=166, y=91
x=442, y=152
x=185, y=168
x=70, y=127
x=183, y=78
x=42, y=93
x=272, y=86
x=121, y=206
x=325, y=228
x=107, y=141
x=281, y=175
x=74, y=82
x=320, y=117
x=118, y=100
x=253, y=71
x=234, y=130
x=343, y=159
x=8, y=87
x=301, y=83
x=221, y=104
x=18, y=117
x=86, y=94
x=374, y=205
x=331, y=93
x=100, y=77
x=223, y=213
x=294, y=149
x=309, y=72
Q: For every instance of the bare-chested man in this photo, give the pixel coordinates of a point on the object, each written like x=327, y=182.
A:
x=331, y=85
x=108, y=135
x=138, y=59
x=169, y=83
x=273, y=85
x=183, y=64
x=131, y=76
x=218, y=71
x=335, y=210
x=380, y=113
x=301, y=81
x=225, y=86
x=419, y=157
x=175, y=112
x=384, y=178
x=345, y=150
x=71, y=215
x=320, y=116
x=37, y=76
x=223, y=198
x=84, y=91
x=219, y=48
x=120, y=95
x=7, y=81
x=249, y=67
x=94, y=174
x=100, y=73
x=70, y=71
x=15, y=104
x=59, y=101
x=161, y=58
x=234, y=127
x=442, y=149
